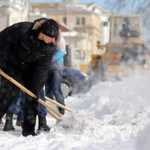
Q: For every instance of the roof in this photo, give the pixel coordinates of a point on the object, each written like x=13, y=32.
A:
x=63, y=28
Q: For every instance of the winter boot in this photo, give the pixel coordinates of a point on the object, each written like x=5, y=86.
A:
x=19, y=123
x=9, y=123
x=28, y=132
x=42, y=125
x=28, y=128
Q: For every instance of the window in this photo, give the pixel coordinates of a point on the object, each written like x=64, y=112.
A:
x=64, y=20
x=78, y=21
x=83, y=21
x=105, y=23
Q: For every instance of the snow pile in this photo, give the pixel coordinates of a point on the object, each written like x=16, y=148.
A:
x=112, y=116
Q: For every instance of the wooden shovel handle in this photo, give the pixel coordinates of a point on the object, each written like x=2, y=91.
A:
x=53, y=114
x=58, y=104
x=29, y=92
x=49, y=107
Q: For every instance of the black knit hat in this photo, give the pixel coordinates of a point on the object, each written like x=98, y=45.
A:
x=50, y=28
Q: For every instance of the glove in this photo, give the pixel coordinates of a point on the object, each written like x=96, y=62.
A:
x=30, y=98
x=37, y=94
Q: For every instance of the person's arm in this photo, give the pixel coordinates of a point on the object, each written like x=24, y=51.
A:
x=60, y=50
x=41, y=70
x=9, y=36
x=62, y=44
x=57, y=55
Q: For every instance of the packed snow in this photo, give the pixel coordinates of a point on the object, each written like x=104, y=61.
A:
x=111, y=116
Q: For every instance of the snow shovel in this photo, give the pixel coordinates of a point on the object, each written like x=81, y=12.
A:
x=51, y=110
x=58, y=104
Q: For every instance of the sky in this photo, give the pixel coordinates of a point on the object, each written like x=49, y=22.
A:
x=125, y=10
x=101, y=2
x=113, y=115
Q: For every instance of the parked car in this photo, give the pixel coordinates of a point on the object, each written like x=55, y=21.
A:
x=75, y=82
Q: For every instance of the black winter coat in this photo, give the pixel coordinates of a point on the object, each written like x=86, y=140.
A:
x=20, y=47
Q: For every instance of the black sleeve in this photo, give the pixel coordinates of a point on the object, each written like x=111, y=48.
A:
x=40, y=72
x=8, y=37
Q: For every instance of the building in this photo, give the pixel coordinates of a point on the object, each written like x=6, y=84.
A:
x=12, y=11
x=88, y=24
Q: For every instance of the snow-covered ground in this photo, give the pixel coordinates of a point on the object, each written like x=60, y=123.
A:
x=111, y=116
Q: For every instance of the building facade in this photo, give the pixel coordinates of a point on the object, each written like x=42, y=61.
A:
x=12, y=11
x=88, y=24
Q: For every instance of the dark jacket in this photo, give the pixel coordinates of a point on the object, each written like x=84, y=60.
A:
x=20, y=47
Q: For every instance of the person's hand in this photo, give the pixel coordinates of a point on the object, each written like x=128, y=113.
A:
x=36, y=98
x=30, y=98
x=37, y=94
x=62, y=111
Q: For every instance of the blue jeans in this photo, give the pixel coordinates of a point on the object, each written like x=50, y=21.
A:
x=53, y=86
x=20, y=116
x=17, y=106
x=41, y=109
